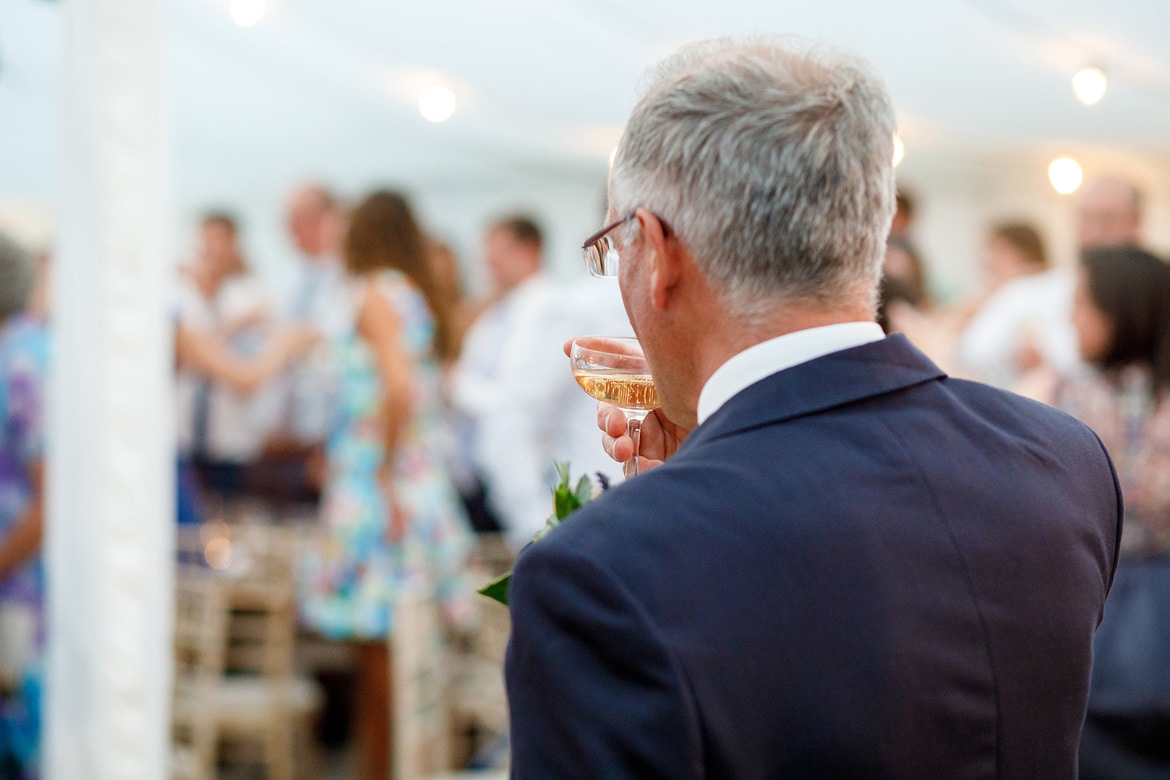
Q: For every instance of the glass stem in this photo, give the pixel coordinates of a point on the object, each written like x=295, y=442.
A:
x=634, y=430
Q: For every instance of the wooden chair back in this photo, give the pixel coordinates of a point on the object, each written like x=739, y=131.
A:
x=199, y=641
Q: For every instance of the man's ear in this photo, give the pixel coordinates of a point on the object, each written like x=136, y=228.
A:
x=662, y=255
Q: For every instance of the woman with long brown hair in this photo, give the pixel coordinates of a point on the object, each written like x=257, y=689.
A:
x=1121, y=313
x=391, y=513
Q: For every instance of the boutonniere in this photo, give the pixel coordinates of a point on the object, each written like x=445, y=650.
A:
x=567, y=499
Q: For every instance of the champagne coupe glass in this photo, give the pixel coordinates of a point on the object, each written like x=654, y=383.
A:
x=614, y=370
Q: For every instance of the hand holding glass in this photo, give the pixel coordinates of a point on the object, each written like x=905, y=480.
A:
x=615, y=371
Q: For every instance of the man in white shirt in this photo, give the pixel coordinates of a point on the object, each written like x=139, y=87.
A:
x=222, y=430
x=315, y=297
x=316, y=224
x=522, y=408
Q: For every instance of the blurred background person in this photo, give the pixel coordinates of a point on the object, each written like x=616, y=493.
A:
x=1013, y=249
x=316, y=225
x=514, y=385
x=316, y=298
x=222, y=312
x=1110, y=212
x=904, y=267
x=904, y=277
x=1121, y=313
x=1015, y=272
x=518, y=297
x=23, y=373
x=203, y=357
x=901, y=227
x=1027, y=323
x=897, y=302
x=905, y=305
x=389, y=510
x=206, y=358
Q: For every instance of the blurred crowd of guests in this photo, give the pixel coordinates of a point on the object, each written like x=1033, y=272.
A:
x=1093, y=340
x=259, y=377
x=372, y=397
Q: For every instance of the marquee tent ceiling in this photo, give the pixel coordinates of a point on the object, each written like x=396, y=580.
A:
x=330, y=87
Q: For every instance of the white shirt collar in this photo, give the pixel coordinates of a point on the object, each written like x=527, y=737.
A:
x=774, y=355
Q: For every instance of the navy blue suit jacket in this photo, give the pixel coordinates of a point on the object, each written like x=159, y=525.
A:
x=856, y=568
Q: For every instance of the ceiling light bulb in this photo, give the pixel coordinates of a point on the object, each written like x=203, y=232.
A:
x=899, y=150
x=247, y=13
x=1066, y=175
x=1089, y=85
x=436, y=103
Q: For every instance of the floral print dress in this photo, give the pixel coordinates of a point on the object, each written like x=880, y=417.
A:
x=349, y=583
x=1135, y=428
x=23, y=367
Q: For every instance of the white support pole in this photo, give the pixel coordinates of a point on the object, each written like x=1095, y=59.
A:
x=110, y=530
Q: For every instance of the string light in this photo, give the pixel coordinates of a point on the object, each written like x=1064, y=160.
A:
x=1066, y=175
x=247, y=13
x=1089, y=85
x=436, y=103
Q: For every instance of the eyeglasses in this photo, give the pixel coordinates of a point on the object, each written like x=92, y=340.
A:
x=600, y=250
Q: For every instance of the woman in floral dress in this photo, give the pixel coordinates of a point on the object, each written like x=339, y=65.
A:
x=1122, y=316
x=392, y=515
x=23, y=363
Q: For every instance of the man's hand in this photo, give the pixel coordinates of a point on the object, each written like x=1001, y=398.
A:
x=660, y=438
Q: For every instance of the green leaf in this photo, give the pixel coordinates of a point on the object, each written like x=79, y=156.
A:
x=584, y=492
x=564, y=502
x=562, y=467
x=498, y=589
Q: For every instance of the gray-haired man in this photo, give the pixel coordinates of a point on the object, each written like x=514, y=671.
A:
x=852, y=566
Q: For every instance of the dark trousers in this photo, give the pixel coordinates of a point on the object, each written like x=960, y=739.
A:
x=1127, y=731
x=479, y=511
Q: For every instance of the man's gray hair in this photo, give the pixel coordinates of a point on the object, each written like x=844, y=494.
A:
x=17, y=274
x=772, y=160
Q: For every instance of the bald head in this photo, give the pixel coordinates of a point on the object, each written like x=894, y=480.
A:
x=314, y=220
x=1110, y=213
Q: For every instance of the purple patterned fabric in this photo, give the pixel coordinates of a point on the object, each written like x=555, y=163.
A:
x=23, y=369
x=23, y=366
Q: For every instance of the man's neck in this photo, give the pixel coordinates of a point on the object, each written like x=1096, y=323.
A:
x=726, y=337
x=731, y=336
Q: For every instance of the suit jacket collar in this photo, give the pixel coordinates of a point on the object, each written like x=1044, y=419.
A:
x=836, y=379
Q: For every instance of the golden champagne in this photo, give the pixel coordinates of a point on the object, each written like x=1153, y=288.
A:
x=629, y=391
